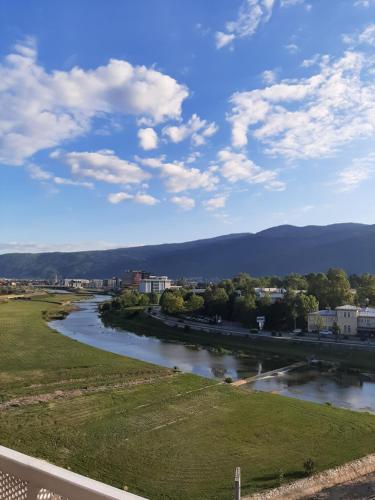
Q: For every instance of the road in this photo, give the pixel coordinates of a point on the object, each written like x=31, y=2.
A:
x=227, y=328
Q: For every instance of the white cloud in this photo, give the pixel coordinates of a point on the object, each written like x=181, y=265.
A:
x=41, y=109
x=103, y=166
x=33, y=247
x=178, y=177
x=365, y=37
x=311, y=117
x=184, y=202
x=39, y=174
x=269, y=77
x=364, y=3
x=61, y=181
x=145, y=199
x=289, y=3
x=359, y=171
x=251, y=14
x=223, y=39
x=237, y=167
x=148, y=138
x=196, y=128
x=215, y=203
x=292, y=48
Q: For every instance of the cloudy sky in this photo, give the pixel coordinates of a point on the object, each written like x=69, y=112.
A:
x=125, y=123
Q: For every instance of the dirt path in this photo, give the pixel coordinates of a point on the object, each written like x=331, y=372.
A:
x=71, y=393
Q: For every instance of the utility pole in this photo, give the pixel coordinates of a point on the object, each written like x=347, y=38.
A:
x=237, y=484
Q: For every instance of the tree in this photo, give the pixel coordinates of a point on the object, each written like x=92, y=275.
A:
x=295, y=281
x=366, y=289
x=172, y=303
x=339, y=292
x=194, y=303
x=306, y=304
x=245, y=283
x=244, y=310
x=318, y=286
x=228, y=286
x=336, y=330
x=144, y=300
x=130, y=298
x=216, y=301
x=154, y=298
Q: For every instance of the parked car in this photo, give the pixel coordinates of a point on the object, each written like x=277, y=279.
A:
x=297, y=331
x=325, y=333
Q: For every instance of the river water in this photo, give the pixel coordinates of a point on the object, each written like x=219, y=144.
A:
x=337, y=388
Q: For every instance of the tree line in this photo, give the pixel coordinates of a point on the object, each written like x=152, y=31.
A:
x=236, y=300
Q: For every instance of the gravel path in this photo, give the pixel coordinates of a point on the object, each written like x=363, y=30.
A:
x=362, y=488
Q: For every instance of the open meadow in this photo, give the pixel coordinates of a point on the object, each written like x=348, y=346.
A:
x=159, y=433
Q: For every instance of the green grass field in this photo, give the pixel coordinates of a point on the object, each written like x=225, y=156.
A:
x=161, y=434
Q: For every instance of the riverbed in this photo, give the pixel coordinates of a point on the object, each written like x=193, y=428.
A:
x=352, y=391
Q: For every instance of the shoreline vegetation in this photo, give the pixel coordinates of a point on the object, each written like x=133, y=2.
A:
x=148, y=429
x=136, y=321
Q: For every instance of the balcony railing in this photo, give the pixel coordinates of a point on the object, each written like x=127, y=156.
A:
x=26, y=478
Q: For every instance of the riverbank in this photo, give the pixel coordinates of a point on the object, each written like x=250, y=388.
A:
x=156, y=432
x=136, y=321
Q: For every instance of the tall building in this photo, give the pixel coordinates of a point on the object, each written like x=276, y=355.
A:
x=132, y=279
x=154, y=284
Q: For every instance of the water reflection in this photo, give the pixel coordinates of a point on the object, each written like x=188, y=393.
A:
x=85, y=325
x=342, y=389
x=337, y=388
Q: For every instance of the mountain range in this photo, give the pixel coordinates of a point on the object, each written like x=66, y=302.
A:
x=276, y=251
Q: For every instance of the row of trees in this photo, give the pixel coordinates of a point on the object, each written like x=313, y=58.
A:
x=235, y=299
x=231, y=304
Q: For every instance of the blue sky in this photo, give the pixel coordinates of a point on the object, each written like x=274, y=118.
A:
x=125, y=123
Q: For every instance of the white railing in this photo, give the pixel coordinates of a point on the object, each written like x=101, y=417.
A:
x=26, y=478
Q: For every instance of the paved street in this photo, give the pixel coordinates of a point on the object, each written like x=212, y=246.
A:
x=229, y=328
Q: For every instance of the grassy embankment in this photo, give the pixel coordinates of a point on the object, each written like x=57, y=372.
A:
x=162, y=434
x=134, y=320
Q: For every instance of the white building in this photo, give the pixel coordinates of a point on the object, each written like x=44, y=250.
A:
x=155, y=284
x=274, y=294
x=351, y=320
x=96, y=284
x=76, y=283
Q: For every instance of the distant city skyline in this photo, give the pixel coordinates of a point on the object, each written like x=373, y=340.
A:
x=172, y=121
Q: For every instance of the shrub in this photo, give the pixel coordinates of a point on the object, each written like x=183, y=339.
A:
x=228, y=380
x=309, y=466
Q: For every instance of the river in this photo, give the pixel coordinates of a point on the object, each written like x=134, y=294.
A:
x=338, y=388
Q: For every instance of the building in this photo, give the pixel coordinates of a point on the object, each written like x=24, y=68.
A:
x=76, y=283
x=321, y=320
x=111, y=283
x=351, y=320
x=154, y=284
x=132, y=278
x=95, y=284
x=274, y=294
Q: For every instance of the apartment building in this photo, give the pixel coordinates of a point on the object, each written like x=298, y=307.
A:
x=154, y=284
x=132, y=278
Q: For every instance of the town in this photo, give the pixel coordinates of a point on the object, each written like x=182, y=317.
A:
x=241, y=303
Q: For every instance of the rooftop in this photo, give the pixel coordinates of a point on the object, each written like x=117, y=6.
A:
x=347, y=308
x=325, y=312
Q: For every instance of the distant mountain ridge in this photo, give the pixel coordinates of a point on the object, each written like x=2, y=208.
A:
x=276, y=251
